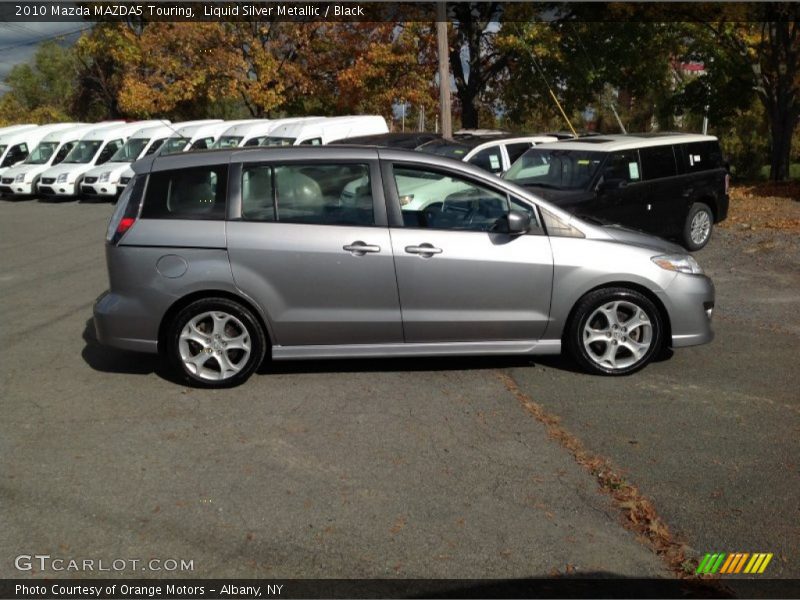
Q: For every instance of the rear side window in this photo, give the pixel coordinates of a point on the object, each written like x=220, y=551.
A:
x=700, y=156
x=109, y=151
x=195, y=193
x=516, y=150
x=488, y=159
x=154, y=147
x=623, y=165
x=658, y=162
x=317, y=194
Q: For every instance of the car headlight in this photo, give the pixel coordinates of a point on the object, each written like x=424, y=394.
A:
x=682, y=263
x=104, y=177
x=62, y=178
x=19, y=178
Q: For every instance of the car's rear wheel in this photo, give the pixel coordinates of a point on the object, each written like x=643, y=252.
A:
x=215, y=342
x=698, y=226
x=614, y=331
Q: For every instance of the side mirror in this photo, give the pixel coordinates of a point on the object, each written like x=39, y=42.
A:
x=514, y=223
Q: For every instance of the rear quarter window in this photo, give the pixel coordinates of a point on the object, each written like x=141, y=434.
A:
x=700, y=156
x=658, y=162
x=194, y=193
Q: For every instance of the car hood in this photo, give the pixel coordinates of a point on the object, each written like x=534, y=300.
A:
x=19, y=169
x=111, y=167
x=74, y=169
x=639, y=238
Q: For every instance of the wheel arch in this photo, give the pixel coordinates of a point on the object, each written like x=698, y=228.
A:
x=186, y=300
x=644, y=290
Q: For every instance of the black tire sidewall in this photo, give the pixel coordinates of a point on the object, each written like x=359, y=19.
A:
x=257, y=339
x=687, y=227
x=587, y=305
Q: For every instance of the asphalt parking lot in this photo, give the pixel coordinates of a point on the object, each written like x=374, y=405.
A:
x=405, y=468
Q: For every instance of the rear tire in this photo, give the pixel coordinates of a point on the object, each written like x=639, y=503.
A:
x=698, y=226
x=614, y=331
x=215, y=343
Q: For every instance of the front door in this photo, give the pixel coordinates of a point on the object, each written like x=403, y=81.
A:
x=622, y=195
x=460, y=281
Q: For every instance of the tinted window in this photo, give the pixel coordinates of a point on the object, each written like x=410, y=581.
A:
x=488, y=159
x=63, y=151
x=700, y=156
x=196, y=193
x=516, y=150
x=154, y=147
x=623, y=165
x=15, y=154
x=319, y=194
x=433, y=200
x=657, y=162
x=109, y=151
x=555, y=168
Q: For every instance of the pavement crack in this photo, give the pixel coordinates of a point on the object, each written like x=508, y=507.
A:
x=639, y=514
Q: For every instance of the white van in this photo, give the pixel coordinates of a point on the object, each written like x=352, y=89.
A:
x=12, y=128
x=324, y=131
x=252, y=134
x=199, y=137
x=21, y=179
x=96, y=147
x=15, y=146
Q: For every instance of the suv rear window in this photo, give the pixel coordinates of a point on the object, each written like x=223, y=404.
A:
x=195, y=193
x=699, y=156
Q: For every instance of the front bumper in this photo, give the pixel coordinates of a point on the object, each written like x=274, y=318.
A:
x=65, y=189
x=16, y=189
x=108, y=189
x=689, y=300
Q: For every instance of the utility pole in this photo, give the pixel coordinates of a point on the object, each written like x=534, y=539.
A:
x=444, y=70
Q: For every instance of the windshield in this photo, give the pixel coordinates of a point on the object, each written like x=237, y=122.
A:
x=277, y=141
x=130, y=151
x=83, y=152
x=173, y=145
x=42, y=153
x=445, y=148
x=553, y=168
x=228, y=141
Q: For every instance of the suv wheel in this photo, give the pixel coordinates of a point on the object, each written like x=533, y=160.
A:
x=215, y=342
x=698, y=226
x=614, y=331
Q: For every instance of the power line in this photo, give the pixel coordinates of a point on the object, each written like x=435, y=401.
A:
x=44, y=39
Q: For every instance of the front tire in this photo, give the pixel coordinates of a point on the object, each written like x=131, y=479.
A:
x=614, y=331
x=698, y=226
x=215, y=342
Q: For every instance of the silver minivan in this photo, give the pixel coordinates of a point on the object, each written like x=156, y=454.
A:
x=219, y=258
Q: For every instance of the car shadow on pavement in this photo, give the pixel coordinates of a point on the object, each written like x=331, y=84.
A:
x=110, y=360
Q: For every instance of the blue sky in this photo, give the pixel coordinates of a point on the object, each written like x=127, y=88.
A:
x=18, y=42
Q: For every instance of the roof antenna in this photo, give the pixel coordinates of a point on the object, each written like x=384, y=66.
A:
x=549, y=89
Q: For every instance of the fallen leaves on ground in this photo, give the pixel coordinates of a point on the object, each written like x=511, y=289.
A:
x=765, y=206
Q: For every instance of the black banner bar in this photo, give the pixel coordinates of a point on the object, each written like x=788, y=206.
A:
x=559, y=587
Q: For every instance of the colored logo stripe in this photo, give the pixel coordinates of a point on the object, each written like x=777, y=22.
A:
x=727, y=564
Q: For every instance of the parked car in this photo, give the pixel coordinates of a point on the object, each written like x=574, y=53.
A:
x=491, y=152
x=186, y=135
x=409, y=140
x=96, y=147
x=673, y=185
x=22, y=179
x=217, y=259
x=16, y=145
x=324, y=131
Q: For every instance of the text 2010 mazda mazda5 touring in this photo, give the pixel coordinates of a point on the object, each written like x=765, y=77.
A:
x=217, y=258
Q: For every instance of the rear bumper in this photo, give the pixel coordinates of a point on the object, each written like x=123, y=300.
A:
x=689, y=300
x=117, y=321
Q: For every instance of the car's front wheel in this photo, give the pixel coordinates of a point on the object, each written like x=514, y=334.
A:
x=215, y=342
x=614, y=331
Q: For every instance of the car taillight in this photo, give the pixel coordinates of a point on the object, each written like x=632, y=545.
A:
x=127, y=210
x=727, y=182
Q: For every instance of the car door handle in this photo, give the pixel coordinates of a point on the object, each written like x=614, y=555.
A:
x=687, y=192
x=424, y=250
x=360, y=248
